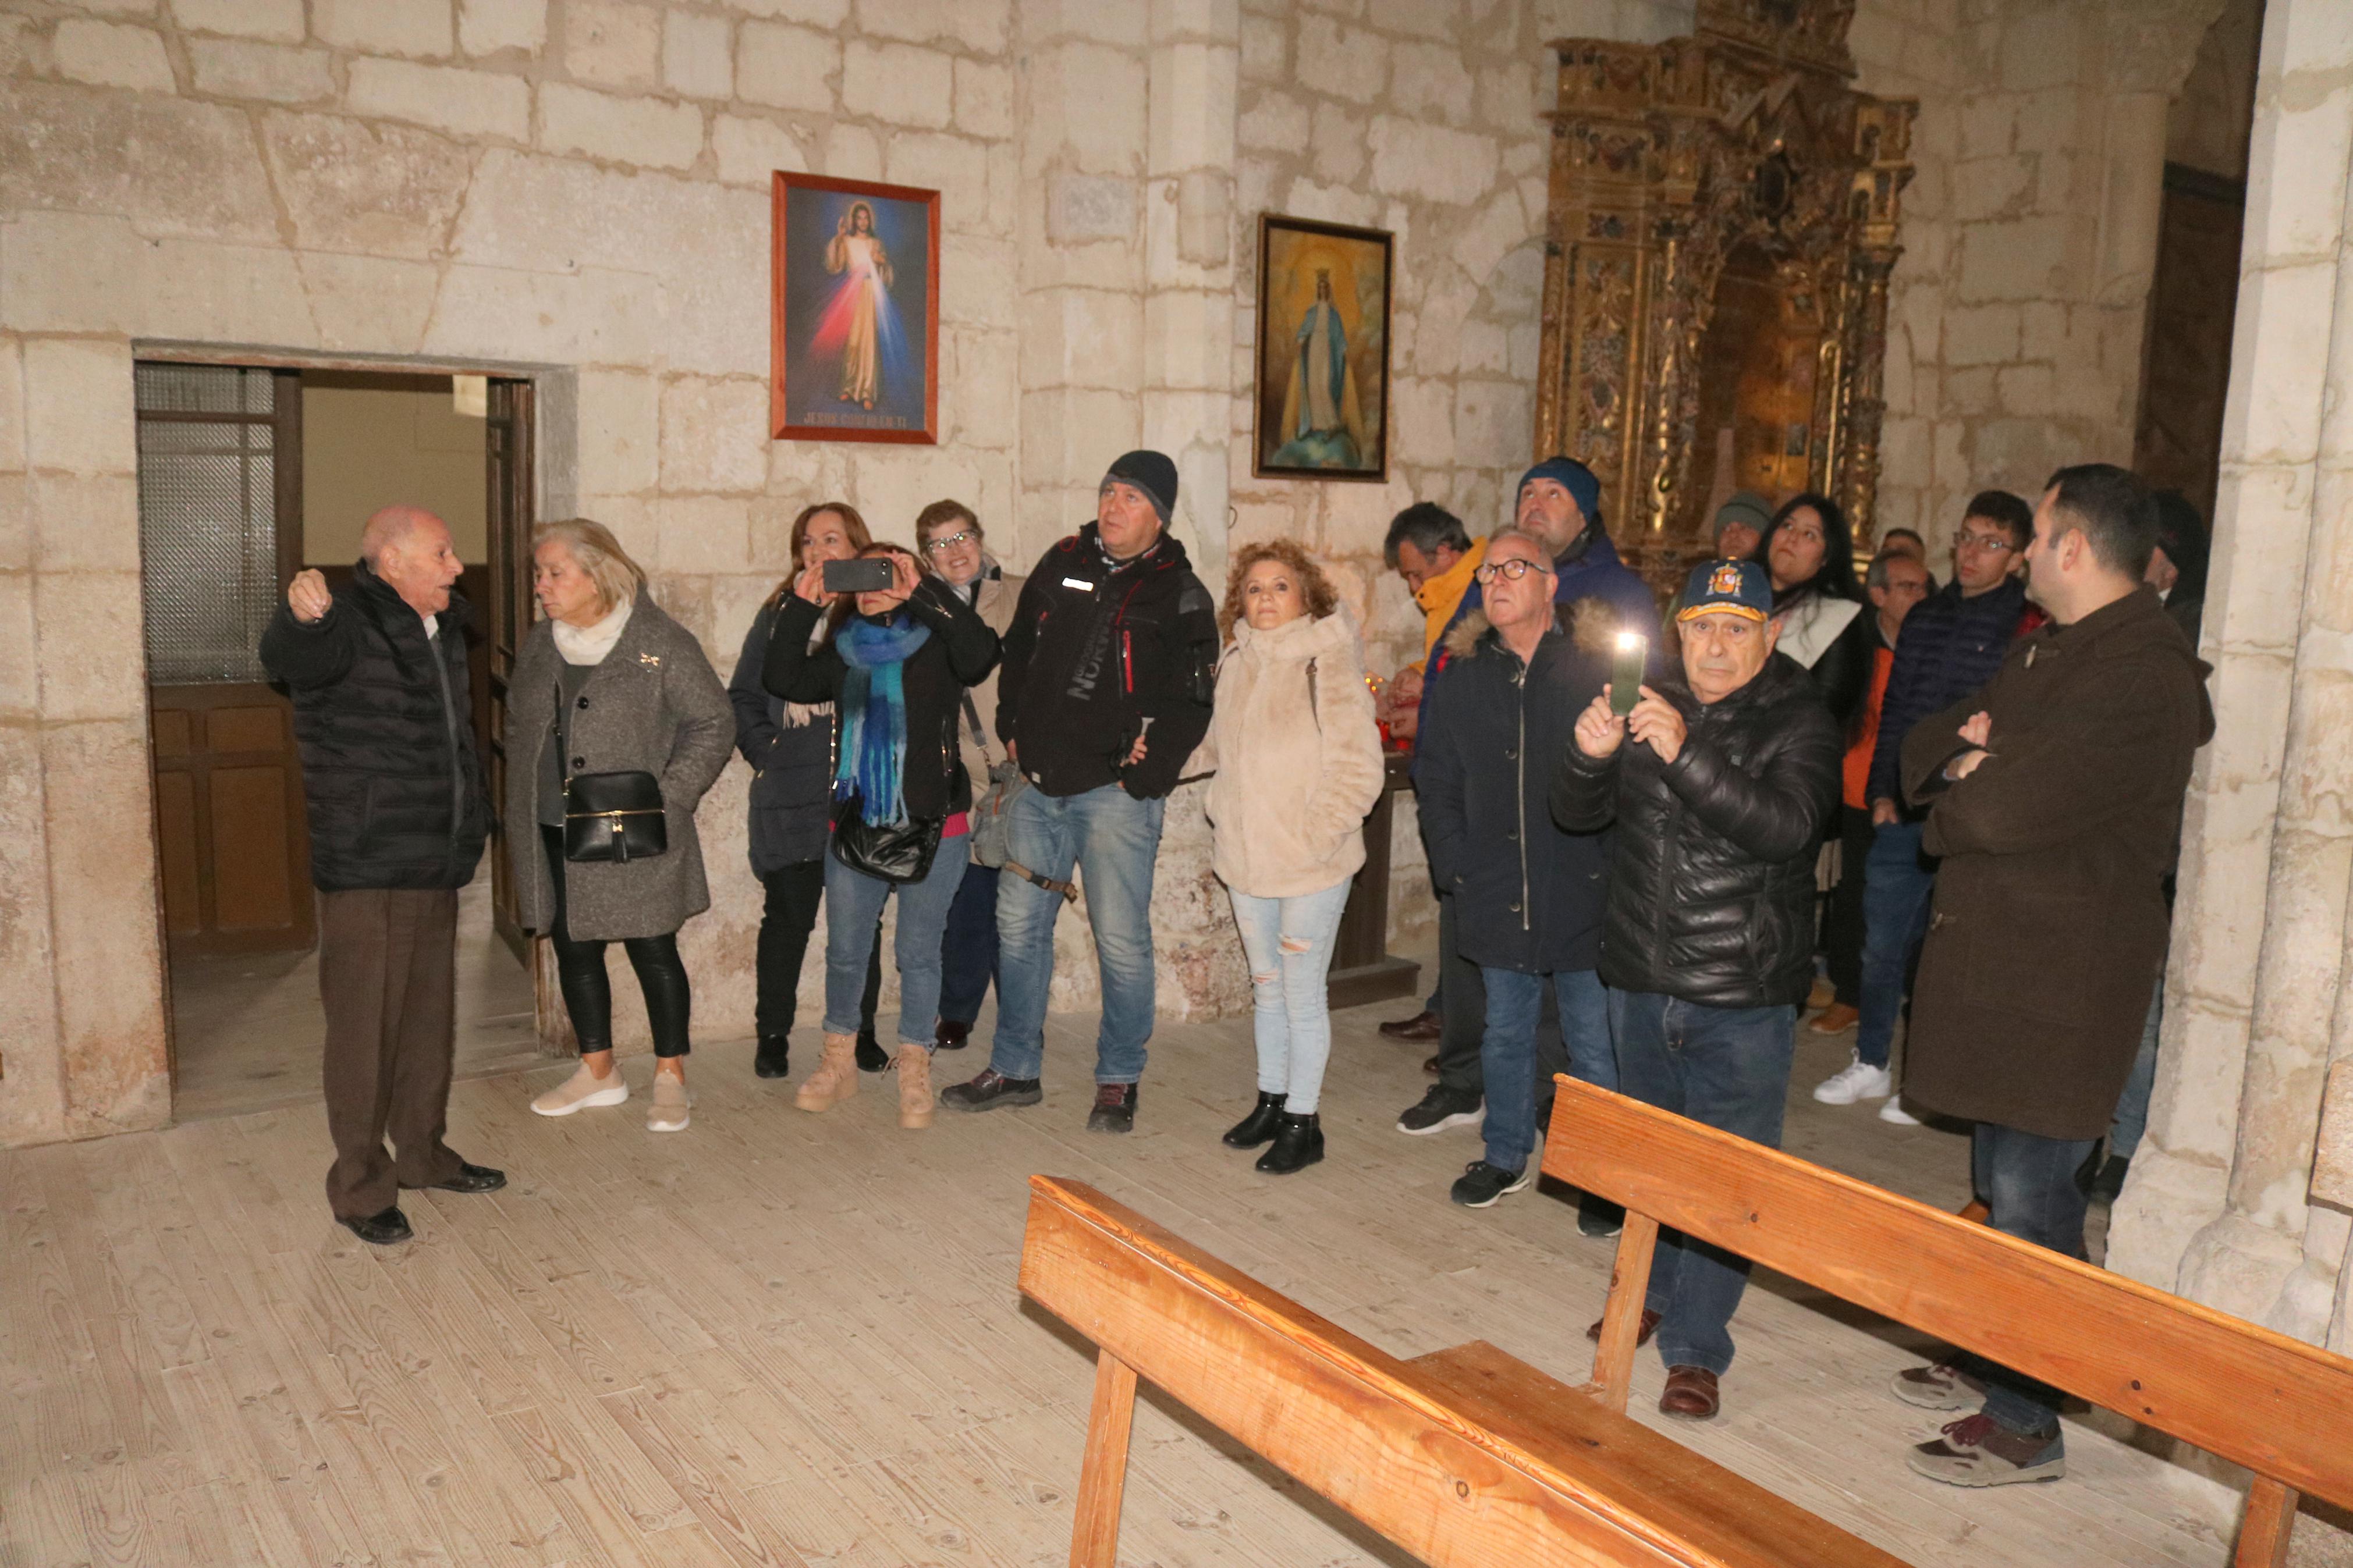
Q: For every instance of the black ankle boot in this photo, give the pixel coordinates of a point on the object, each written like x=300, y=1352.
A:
x=1258, y=1127
x=771, y=1059
x=1298, y=1144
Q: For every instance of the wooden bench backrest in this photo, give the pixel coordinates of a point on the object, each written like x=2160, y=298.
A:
x=2276, y=1406
x=1390, y=1442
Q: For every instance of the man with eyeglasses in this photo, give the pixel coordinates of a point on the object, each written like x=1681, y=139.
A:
x=1953, y=642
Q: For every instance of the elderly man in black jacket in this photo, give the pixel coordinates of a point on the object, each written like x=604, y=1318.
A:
x=1719, y=783
x=1528, y=896
x=399, y=816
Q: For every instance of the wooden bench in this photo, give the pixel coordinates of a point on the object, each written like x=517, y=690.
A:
x=1465, y=1457
x=2278, y=1407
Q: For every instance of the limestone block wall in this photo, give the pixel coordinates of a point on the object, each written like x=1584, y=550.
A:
x=2256, y=992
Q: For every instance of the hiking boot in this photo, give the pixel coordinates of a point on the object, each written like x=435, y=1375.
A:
x=1974, y=1451
x=1440, y=1109
x=1691, y=1394
x=773, y=1057
x=1421, y=1027
x=1114, y=1109
x=1856, y=1080
x=581, y=1091
x=1943, y=1386
x=1259, y=1126
x=871, y=1056
x=669, y=1111
x=1298, y=1144
x=992, y=1090
x=835, y=1078
x=914, y=1088
x=1481, y=1184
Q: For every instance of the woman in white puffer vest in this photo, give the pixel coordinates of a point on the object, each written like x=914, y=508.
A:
x=1298, y=760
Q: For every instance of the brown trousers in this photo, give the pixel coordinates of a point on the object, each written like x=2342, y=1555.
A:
x=388, y=974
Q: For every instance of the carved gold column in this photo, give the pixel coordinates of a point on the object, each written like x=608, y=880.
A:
x=1883, y=144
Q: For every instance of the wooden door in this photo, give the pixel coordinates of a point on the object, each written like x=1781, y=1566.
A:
x=220, y=493
x=507, y=615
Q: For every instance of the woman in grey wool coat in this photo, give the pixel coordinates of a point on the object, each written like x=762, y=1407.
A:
x=607, y=683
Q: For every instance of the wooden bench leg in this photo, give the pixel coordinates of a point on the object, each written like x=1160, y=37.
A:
x=1103, y=1474
x=2271, y=1518
x=1621, y=1319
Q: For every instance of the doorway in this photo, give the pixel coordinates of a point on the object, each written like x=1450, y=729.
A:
x=249, y=474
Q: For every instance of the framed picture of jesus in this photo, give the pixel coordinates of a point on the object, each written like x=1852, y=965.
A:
x=1322, y=395
x=854, y=311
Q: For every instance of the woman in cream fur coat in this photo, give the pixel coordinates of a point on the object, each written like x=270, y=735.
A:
x=1298, y=760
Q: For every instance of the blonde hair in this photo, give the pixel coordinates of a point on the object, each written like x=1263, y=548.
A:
x=599, y=555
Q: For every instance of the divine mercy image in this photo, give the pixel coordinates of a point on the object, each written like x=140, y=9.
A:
x=855, y=295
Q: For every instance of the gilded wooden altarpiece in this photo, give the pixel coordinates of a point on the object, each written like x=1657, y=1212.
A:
x=1734, y=161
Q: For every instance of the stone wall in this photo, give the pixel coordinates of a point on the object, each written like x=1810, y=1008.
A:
x=577, y=191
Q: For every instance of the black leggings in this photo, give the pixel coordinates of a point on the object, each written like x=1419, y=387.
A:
x=793, y=892
x=588, y=990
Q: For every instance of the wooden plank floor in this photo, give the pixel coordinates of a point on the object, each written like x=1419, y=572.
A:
x=783, y=1339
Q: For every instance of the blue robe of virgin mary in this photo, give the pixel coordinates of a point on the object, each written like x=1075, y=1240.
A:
x=1309, y=448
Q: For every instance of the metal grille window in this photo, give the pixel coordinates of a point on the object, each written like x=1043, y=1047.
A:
x=211, y=438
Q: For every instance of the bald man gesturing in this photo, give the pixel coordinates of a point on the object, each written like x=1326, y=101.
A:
x=383, y=717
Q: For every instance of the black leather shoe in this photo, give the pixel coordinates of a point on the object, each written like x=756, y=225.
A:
x=772, y=1059
x=1298, y=1144
x=382, y=1229
x=1422, y=1028
x=470, y=1179
x=1114, y=1109
x=951, y=1035
x=1258, y=1127
x=871, y=1056
x=992, y=1090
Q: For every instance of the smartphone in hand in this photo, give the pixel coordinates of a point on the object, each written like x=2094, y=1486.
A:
x=867, y=574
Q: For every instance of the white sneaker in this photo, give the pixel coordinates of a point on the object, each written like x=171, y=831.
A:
x=1857, y=1080
x=1893, y=1112
x=581, y=1091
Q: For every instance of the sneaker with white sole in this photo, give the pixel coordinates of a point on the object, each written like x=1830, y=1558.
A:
x=582, y=1092
x=1976, y=1451
x=1857, y=1080
x=669, y=1111
x=1893, y=1112
x=1943, y=1386
x=1442, y=1108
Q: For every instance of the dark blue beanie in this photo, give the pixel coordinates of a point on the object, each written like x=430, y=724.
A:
x=1571, y=475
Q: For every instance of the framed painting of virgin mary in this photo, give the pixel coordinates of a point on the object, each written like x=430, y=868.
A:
x=1321, y=403
x=854, y=311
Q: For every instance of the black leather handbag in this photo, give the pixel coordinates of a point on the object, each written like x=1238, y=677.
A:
x=901, y=854
x=614, y=816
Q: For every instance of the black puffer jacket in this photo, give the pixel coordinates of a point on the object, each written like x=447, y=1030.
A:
x=792, y=764
x=1712, y=868
x=384, y=719
x=1527, y=895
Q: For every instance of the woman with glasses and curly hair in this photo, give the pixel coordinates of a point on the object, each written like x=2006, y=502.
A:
x=1298, y=760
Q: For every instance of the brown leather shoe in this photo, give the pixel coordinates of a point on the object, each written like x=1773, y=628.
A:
x=1835, y=1019
x=1421, y=1026
x=1691, y=1394
x=1642, y=1335
x=1431, y=1066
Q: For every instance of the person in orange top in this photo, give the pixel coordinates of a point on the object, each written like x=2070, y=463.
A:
x=1895, y=583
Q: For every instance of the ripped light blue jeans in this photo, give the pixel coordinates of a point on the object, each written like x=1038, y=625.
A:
x=1288, y=945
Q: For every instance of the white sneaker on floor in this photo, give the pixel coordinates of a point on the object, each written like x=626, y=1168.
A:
x=1857, y=1080
x=1893, y=1112
x=582, y=1091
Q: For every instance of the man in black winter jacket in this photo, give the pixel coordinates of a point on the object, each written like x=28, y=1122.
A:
x=1528, y=896
x=1105, y=691
x=1719, y=785
x=383, y=719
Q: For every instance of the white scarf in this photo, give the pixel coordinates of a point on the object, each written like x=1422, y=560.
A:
x=589, y=644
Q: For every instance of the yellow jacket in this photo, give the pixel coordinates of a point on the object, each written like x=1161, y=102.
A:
x=1439, y=596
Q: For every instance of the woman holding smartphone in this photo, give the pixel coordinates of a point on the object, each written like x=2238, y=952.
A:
x=895, y=661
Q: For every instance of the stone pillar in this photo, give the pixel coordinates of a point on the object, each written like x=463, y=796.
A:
x=2216, y=1204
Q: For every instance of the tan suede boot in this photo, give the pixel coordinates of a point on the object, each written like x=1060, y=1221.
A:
x=835, y=1078
x=914, y=1087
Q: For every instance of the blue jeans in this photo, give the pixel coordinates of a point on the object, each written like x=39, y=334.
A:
x=2029, y=1183
x=968, y=952
x=1896, y=887
x=2132, y=1106
x=1288, y=945
x=1111, y=838
x=1727, y=1067
x=1507, y=1054
x=853, y=907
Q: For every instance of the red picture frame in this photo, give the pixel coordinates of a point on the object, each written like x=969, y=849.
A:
x=854, y=311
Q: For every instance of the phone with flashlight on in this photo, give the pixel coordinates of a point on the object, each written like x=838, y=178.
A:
x=1626, y=672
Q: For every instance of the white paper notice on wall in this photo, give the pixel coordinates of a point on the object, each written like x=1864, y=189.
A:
x=471, y=396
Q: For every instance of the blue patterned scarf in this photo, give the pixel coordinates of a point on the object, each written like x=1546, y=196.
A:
x=874, y=714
